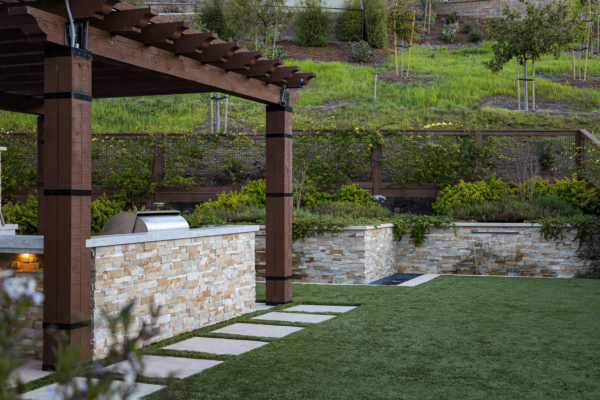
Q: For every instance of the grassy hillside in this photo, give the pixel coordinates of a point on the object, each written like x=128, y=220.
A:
x=342, y=96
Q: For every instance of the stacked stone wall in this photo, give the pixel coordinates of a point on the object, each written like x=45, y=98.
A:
x=481, y=8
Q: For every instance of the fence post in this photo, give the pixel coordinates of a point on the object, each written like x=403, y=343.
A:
x=580, y=146
x=478, y=138
x=158, y=167
x=376, y=173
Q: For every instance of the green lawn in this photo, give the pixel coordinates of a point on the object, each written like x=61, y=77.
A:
x=451, y=338
x=460, y=81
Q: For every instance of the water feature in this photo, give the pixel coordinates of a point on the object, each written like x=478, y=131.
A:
x=495, y=252
x=395, y=279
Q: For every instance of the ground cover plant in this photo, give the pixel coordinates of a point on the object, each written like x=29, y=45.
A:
x=345, y=91
x=453, y=337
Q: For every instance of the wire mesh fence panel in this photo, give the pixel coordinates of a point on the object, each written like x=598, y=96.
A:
x=518, y=158
x=19, y=162
x=118, y=159
x=591, y=163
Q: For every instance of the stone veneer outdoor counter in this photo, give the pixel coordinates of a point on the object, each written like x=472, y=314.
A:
x=193, y=277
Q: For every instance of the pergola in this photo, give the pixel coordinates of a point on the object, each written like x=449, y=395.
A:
x=121, y=51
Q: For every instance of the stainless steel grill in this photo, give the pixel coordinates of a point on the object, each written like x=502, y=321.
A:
x=144, y=221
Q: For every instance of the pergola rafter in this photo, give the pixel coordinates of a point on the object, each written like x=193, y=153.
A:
x=126, y=51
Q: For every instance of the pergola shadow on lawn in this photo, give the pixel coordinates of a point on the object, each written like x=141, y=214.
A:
x=119, y=50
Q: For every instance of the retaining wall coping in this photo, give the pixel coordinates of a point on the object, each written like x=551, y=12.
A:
x=145, y=237
x=354, y=228
x=22, y=244
x=497, y=225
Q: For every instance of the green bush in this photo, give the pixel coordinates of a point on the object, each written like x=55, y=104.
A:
x=103, y=209
x=449, y=32
x=463, y=193
x=376, y=23
x=211, y=15
x=451, y=19
x=253, y=194
x=360, y=52
x=468, y=27
x=513, y=210
x=350, y=21
x=475, y=36
x=313, y=23
x=24, y=214
x=575, y=192
x=590, y=251
x=346, y=194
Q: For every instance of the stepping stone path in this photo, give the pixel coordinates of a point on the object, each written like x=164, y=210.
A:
x=289, y=317
x=29, y=371
x=421, y=279
x=142, y=389
x=177, y=367
x=217, y=346
x=270, y=331
x=168, y=367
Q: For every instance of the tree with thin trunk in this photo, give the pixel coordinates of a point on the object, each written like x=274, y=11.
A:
x=261, y=18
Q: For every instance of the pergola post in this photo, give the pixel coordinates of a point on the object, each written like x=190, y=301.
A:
x=67, y=198
x=279, y=204
x=40, y=165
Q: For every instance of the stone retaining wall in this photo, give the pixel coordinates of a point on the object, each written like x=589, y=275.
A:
x=358, y=255
x=361, y=255
x=481, y=8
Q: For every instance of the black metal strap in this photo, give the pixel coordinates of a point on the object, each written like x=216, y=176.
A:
x=275, y=303
x=67, y=192
x=68, y=95
x=65, y=51
x=65, y=327
x=40, y=184
x=279, y=278
x=523, y=79
x=279, y=135
x=279, y=194
x=40, y=142
x=276, y=107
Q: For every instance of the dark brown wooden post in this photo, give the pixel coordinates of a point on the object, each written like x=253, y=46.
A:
x=478, y=138
x=158, y=167
x=279, y=204
x=580, y=151
x=67, y=198
x=376, y=173
x=40, y=165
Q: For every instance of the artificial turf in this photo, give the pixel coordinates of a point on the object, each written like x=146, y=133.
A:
x=450, y=338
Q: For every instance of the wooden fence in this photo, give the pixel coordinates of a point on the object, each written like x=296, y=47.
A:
x=378, y=181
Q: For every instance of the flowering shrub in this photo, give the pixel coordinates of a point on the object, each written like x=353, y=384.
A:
x=360, y=52
x=449, y=33
x=92, y=382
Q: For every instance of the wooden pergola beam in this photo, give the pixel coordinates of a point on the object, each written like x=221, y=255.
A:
x=22, y=104
x=126, y=21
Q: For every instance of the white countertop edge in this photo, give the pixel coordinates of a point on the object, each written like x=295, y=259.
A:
x=22, y=244
x=132, y=238
x=497, y=225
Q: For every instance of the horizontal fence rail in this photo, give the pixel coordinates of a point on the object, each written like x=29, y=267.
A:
x=197, y=167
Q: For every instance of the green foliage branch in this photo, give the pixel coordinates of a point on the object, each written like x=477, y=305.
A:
x=350, y=27
x=313, y=23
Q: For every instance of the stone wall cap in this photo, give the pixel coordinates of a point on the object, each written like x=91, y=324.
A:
x=354, y=228
x=496, y=225
x=145, y=237
x=22, y=244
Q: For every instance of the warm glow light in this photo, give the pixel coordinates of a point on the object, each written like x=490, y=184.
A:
x=25, y=257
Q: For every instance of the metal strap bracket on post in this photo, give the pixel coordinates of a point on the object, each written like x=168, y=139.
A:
x=219, y=98
x=285, y=97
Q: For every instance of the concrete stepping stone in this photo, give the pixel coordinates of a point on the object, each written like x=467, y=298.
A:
x=289, y=317
x=48, y=392
x=273, y=331
x=217, y=346
x=166, y=367
x=29, y=371
x=322, y=309
x=419, y=280
x=263, y=307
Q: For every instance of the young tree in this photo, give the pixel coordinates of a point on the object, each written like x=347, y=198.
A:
x=542, y=30
x=211, y=17
x=260, y=18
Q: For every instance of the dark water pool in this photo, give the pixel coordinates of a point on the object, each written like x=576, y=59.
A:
x=395, y=279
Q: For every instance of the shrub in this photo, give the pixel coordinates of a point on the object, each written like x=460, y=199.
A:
x=449, y=33
x=256, y=192
x=590, y=251
x=513, y=210
x=468, y=27
x=350, y=22
x=104, y=209
x=376, y=23
x=463, y=193
x=575, y=192
x=347, y=194
x=253, y=194
x=24, y=214
x=313, y=23
x=451, y=19
x=211, y=15
x=475, y=36
x=360, y=52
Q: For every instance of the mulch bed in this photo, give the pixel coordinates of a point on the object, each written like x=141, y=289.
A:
x=507, y=102
x=462, y=39
x=331, y=53
x=411, y=205
x=592, y=81
x=391, y=78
